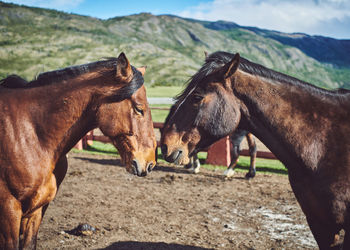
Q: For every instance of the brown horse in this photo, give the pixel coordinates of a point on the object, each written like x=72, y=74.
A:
x=42, y=120
x=306, y=127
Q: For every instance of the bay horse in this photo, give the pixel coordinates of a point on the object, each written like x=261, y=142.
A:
x=42, y=120
x=306, y=127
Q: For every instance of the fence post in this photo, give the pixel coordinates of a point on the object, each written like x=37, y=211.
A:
x=219, y=153
x=79, y=145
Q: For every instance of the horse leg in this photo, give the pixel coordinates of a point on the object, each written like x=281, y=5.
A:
x=229, y=172
x=30, y=227
x=346, y=243
x=196, y=164
x=10, y=220
x=252, y=152
x=59, y=172
x=190, y=164
x=325, y=237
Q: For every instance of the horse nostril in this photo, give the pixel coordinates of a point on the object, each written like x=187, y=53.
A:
x=175, y=156
x=164, y=149
x=135, y=165
x=150, y=167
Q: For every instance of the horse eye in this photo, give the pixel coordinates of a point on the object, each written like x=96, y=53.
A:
x=138, y=110
x=197, y=98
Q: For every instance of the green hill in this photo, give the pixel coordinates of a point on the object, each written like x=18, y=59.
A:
x=35, y=40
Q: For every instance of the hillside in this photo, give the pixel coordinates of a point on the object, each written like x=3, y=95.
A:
x=34, y=40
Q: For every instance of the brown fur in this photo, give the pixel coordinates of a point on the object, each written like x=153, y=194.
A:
x=307, y=128
x=39, y=124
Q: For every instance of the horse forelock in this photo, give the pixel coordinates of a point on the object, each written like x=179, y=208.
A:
x=212, y=63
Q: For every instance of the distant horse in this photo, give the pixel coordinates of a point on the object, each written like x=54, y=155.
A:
x=236, y=139
x=306, y=127
x=42, y=120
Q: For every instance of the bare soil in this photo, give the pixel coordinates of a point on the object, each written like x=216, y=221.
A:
x=171, y=209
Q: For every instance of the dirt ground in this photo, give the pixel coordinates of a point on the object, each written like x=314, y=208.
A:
x=171, y=209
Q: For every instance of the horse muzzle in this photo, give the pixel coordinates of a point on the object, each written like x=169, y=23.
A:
x=176, y=156
x=139, y=170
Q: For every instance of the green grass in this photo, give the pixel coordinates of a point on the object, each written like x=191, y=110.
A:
x=263, y=166
x=99, y=148
x=159, y=115
x=163, y=91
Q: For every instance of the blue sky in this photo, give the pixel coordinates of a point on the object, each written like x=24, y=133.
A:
x=315, y=17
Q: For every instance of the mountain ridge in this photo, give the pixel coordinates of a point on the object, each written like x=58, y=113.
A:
x=35, y=40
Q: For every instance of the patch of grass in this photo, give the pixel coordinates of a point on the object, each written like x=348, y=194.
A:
x=99, y=148
x=159, y=115
x=263, y=166
x=163, y=91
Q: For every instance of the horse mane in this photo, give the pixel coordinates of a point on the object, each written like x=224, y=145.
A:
x=47, y=78
x=218, y=59
x=70, y=72
x=13, y=82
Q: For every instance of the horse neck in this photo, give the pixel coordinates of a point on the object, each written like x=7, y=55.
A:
x=67, y=112
x=292, y=120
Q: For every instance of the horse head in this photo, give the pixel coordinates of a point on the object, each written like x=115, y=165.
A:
x=126, y=120
x=204, y=112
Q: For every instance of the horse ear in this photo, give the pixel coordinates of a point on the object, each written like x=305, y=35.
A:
x=124, y=70
x=205, y=55
x=142, y=70
x=231, y=67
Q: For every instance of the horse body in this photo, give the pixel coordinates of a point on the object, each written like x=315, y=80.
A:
x=39, y=124
x=306, y=127
x=304, y=131
x=236, y=139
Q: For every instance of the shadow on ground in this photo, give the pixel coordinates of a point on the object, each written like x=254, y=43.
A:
x=127, y=245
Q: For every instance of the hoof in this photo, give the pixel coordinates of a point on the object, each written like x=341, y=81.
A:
x=195, y=170
x=188, y=166
x=229, y=173
x=250, y=175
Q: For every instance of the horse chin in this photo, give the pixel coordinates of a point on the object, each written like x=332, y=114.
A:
x=139, y=167
x=130, y=169
x=125, y=161
x=184, y=160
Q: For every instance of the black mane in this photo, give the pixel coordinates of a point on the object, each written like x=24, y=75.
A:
x=47, y=78
x=73, y=71
x=13, y=82
x=218, y=59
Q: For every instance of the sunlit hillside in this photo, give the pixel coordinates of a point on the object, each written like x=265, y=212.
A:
x=35, y=40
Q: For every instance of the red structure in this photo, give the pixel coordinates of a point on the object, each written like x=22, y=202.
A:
x=219, y=153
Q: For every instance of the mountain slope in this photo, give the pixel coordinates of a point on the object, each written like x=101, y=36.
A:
x=322, y=49
x=34, y=40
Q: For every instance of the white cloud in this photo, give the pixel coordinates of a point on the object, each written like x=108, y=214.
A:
x=288, y=16
x=65, y=5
